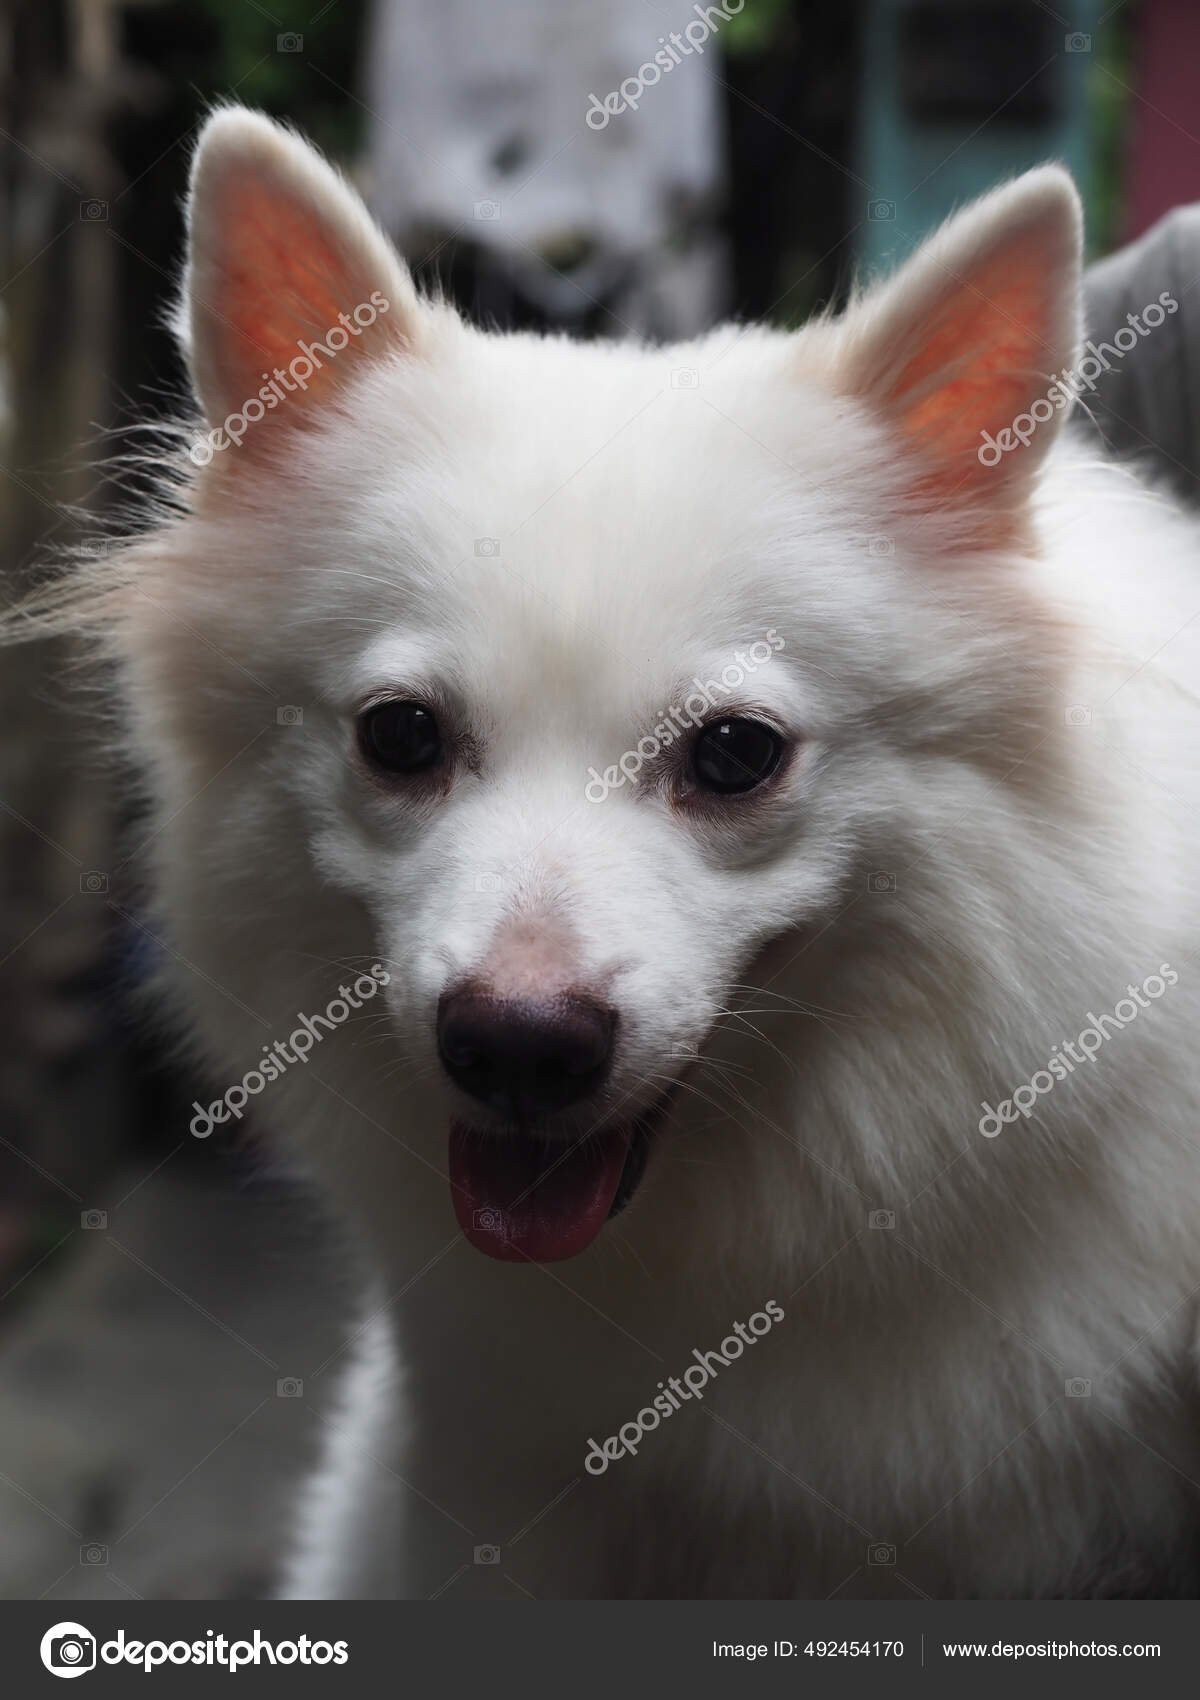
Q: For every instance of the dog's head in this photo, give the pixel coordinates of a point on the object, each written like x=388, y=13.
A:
x=620, y=671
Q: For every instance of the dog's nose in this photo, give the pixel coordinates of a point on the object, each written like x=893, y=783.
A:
x=522, y=1056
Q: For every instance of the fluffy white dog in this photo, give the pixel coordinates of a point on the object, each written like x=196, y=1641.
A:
x=762, y=775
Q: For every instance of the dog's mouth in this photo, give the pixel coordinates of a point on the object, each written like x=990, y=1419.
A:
x=524, y=1199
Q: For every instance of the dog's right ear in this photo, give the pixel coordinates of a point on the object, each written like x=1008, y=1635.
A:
x=282, y=255
x=969, y=338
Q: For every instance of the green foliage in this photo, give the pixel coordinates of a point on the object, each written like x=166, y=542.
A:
x=756, y=27
x=314, y=85
x=1109, y=101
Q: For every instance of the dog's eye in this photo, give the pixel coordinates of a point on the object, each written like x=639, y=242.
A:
x=400, y=736
x=729, y=756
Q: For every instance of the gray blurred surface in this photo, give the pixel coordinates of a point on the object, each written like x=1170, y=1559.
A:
x=1148, y=407
x=139, y=1411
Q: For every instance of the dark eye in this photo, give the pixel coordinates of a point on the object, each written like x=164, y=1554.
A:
x=400, y=736
x=729, y=756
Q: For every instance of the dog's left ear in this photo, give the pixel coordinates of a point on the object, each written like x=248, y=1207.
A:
x=970, y=335
x=282, y=257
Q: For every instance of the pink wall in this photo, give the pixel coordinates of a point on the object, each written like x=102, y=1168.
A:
x=1164, y=167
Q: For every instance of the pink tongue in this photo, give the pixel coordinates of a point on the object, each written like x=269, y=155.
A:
x=521, y=1199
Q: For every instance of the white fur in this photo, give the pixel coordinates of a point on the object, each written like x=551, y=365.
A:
x=915, y=1392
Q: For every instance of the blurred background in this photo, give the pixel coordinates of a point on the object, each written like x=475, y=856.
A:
x=173, y=1313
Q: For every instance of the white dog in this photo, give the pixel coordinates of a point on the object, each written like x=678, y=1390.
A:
x=763, y=778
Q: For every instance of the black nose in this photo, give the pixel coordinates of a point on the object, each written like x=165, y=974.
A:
x=522, y=1056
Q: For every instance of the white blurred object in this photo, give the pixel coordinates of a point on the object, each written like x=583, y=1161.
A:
x=479, y=128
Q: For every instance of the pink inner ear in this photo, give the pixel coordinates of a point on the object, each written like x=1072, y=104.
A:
x=987, y=340
x=979, y=349
x=280, y=278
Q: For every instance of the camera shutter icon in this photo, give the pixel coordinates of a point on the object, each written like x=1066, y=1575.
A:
x=68, y=1649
